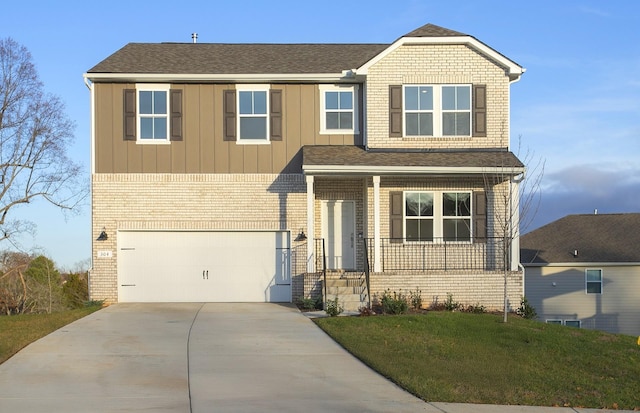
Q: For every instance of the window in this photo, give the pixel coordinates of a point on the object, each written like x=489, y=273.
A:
x=456, y=216
x=253, y=115
x=339, y=109
x=437, y=110
x=594, y=281
x=435, y=215
x=153, y=113
x=419, y=216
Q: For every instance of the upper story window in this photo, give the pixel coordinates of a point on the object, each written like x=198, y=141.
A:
x=437, y=110
x=252, y=115
x=593, y=281
x=437, y=215
x=338, y=109
x=152, y=114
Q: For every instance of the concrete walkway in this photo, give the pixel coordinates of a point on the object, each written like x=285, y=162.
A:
x=203, y=358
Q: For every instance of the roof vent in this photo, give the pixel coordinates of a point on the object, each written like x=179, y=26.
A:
x=194, y=37
x=575, y=253
x=595, y=211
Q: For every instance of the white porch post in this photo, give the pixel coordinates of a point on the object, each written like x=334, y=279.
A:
x=377, y=267
x=310, y=225
x=515, y=223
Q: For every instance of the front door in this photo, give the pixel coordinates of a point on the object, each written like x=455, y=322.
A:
x=338, y=230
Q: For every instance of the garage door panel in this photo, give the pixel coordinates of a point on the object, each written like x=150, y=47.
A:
x=203, y=266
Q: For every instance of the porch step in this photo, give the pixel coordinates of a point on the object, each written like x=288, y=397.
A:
x=348, y=302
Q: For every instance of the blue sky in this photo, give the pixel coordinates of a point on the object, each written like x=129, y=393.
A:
x=577, y=107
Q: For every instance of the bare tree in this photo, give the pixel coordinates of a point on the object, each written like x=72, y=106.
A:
x=516, y=199
x=34, y=136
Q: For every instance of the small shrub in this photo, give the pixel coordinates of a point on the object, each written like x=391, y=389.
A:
x=394, y=304
x=451, y=305
x=526, y=310
x=75, y=291
x=308, y=303
x=366, y=311
x=334, y=308
x=415, y=298
x=476, y=308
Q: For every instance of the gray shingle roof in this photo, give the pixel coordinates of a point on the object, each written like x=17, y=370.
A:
x=596, y=237
x=254, y=58
x=357, y=156
x=213, y=58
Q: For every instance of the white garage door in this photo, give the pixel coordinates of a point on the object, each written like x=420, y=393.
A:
x=163, y=266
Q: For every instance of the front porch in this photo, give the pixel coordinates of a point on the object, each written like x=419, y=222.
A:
x=472, y=273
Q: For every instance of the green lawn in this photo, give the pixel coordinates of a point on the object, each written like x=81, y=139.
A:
x=476, y=358
x=17, y=331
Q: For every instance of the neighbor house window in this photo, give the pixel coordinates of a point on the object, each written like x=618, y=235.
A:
x=437, y=110
x=153, y=113
x=437, y=215
x=594, y=281
x=253, y=119
x=339, y=109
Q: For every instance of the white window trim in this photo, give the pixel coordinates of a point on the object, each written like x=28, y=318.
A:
x=586, y=280
x=437, y=111
x=252, y=88
x=323, y=117
x=153, y=87
x=438, y=215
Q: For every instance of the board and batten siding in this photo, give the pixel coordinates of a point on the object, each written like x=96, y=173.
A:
x=203, y=148
x=559, y=293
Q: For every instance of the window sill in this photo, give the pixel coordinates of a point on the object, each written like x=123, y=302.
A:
x=153, y=142
x=252, y=142
x=338, y=132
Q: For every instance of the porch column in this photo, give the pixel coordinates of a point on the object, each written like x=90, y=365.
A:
x=515, y=223
x=310, y=225
x=376, y=224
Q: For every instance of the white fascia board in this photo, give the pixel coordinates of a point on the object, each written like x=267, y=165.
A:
x=582, y=264
x=514, y=69
x=405, y=170
x=230, y=78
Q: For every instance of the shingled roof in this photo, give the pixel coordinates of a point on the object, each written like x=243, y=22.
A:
x=355, y=156
x=597, y=238
x=253, y=58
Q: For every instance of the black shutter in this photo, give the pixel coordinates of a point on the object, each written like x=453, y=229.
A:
x=176, y=115
x=479, y=110
x=129, y=114
x=479, y=216
x=229, y=115
x=395, y=110
x=275, y=113
x=395, y=216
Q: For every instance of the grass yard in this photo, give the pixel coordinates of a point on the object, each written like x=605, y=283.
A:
x=17, y=331
x=476, y=358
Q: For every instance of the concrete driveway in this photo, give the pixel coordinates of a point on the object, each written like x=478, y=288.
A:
x=194, y=358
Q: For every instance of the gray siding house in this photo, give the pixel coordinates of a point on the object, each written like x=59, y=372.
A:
x=584, y=271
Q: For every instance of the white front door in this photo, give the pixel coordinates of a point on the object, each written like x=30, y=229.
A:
x=338, y=231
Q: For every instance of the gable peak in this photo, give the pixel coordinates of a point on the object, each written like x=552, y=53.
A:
x=431, y=30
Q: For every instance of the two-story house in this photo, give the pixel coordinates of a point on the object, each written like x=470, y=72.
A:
x=248, y=172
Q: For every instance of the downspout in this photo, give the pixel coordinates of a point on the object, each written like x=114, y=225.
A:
x=90, y=85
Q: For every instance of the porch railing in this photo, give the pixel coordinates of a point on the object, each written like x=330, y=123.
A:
x=487, y=254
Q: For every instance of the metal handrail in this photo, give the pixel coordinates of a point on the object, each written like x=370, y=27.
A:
x=399, y=254
x=367, y=271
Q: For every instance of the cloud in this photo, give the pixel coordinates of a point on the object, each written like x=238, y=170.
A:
x=593, y=11
x=583, y=189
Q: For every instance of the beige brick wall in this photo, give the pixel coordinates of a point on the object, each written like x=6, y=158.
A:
x=190, y=202
x=437, y=64
x=485, y=288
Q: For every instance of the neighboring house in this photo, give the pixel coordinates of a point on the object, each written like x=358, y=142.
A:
x=250, y=172
x=584, y=271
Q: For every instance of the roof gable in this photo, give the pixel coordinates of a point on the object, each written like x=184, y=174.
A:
x=431, y=30
x=597, y=238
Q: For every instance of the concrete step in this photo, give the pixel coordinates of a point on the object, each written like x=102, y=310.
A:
x=348, y=302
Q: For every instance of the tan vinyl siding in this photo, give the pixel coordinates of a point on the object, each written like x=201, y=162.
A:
x=203, y=149
x=615, y=310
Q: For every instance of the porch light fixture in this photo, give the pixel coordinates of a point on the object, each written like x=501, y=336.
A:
x=103, y=235
x=301, y=236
